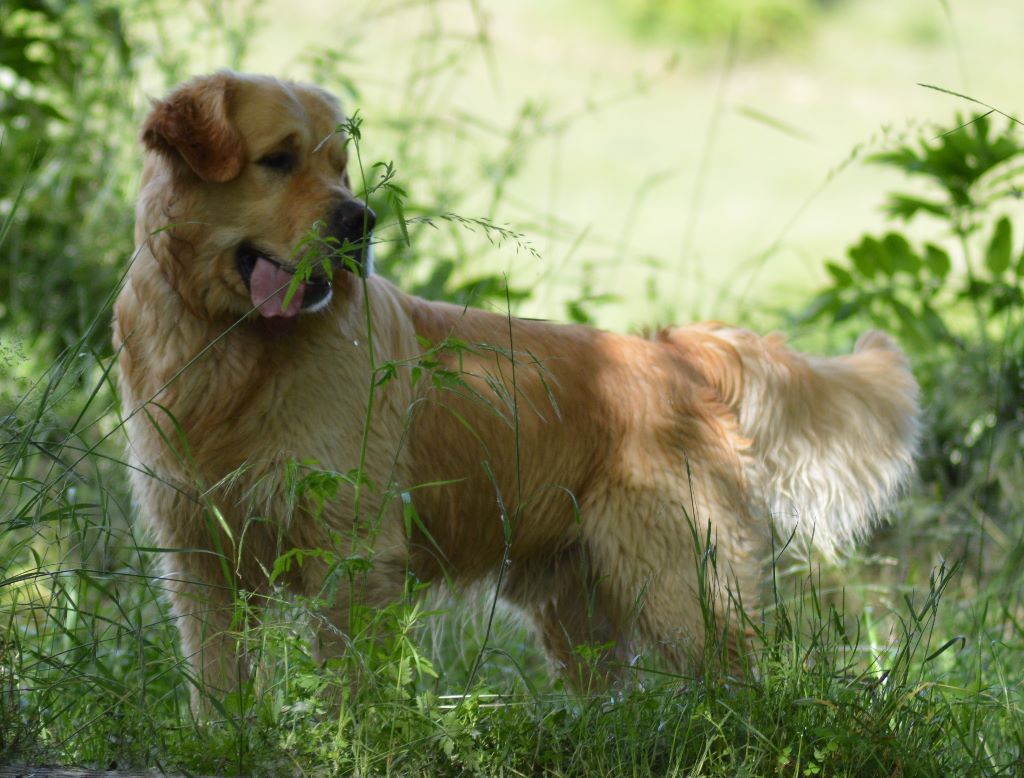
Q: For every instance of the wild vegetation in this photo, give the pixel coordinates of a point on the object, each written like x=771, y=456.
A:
x=901, y=661
x=767, y=24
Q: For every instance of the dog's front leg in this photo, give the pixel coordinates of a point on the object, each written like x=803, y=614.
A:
x=210, y=616
x=350, y=594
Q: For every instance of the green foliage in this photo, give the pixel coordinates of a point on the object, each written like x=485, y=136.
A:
x=955, y=298
x=68, y=148
x=92, y=673
x=762, y=24
x=406, y=242
x=65, y=110
x=909, y=286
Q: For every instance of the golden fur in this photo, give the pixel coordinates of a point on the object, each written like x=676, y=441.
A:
x=599, y=457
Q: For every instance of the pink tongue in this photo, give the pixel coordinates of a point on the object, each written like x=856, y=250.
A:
x=268, y=287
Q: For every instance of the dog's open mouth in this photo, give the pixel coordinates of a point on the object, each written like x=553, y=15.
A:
x=268, y=282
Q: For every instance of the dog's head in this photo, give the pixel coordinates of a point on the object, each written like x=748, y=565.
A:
x=245, y=177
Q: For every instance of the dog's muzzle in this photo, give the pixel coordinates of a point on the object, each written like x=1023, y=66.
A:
x=345, y=244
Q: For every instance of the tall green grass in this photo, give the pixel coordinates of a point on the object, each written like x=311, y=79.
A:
x=906, y=682
x=852, y=672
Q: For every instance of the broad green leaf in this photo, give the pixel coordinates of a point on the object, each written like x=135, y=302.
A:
x=997, y=258
x=903, y=158
x=902, y=256
x=883, y=259
x=937, y=260
x=1002, y=297
x=840, y=275
x=865, y=256
x=977, y=289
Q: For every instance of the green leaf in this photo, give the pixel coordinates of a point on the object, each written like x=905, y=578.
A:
x=399, y=206
x=488, y=287
x=903, y=158
x=848, y=309
x=283, y=564
x=978, y=289
x=997, y=258
x=386, y=372
x=937, y=260
x=934, y=323
x=865, y=256
x=1003, y=296
x=910, y=321
x=906, y=207
x=842, y=277
x=577, y=313
x=901, y=255
x=883, y=259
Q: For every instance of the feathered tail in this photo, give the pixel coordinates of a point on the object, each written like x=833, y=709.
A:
x=833, y=439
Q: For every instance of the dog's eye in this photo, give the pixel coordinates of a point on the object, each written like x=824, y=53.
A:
x=282, y=161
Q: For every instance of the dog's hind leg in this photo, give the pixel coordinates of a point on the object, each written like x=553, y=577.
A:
x=680, y=576
x=572, y=615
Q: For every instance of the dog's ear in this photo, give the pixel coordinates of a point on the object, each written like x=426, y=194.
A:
x=193, y=124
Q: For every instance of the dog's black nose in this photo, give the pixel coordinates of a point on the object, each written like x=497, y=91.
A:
x=350, y=220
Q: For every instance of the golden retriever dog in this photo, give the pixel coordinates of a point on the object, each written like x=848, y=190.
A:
x=584, y=473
